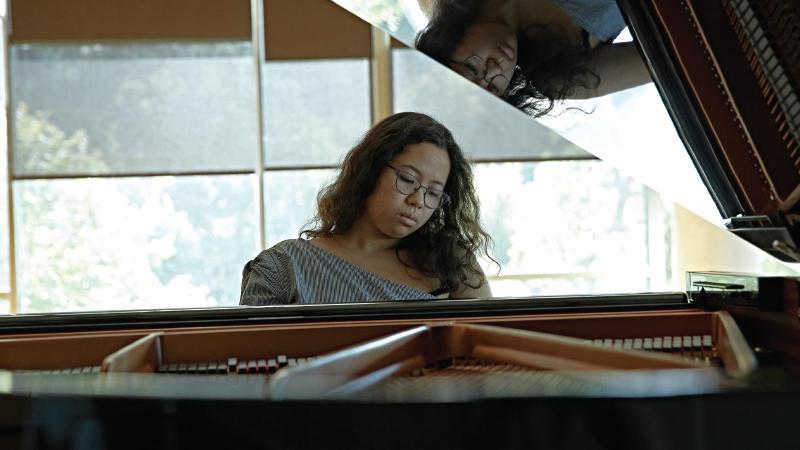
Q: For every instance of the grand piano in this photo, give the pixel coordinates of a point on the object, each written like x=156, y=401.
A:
x=712, y=367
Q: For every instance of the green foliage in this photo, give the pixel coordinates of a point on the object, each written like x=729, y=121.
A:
x=151, y=242
x=89, y=243
x=44, y=148
x=146, y=108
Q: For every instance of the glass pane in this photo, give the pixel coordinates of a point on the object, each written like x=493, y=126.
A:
x=421, y=84
x=314, y=111
x=163, y=242
x=5, y=252
x=3, y=68
x=5, y=255
x=554, y=234
x=291, y=201
x=133, y=108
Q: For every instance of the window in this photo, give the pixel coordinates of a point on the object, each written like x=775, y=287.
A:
x=302, y=144
x=93, y=109
x=161, y=242
x=170, y=126
x=290, y=201
x=301, y=97
x=121, y=110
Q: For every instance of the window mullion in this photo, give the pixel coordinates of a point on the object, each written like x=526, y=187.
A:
x=12, y=262
x=259, y=56
x=380, y=75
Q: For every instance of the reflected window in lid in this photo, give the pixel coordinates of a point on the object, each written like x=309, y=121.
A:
x=630, y=128
x=633, y=131
x=553, y=236
x=420, y=84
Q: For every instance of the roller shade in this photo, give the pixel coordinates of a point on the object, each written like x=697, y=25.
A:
x=101, y=20
x=295, y=29
x=313, y=29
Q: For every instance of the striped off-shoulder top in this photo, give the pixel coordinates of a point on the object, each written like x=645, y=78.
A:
x=295, y=271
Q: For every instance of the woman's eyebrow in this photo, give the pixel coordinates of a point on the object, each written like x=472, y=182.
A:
x=412, y=167
x=420, y=173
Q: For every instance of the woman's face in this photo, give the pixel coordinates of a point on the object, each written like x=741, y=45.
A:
x=487, y=56
x=396, y=215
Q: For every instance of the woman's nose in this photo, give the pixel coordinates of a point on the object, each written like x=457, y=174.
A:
x=493, y=67
x=416, y=199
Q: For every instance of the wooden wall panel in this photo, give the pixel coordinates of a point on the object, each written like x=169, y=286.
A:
x=102, y=20
x=313, y=29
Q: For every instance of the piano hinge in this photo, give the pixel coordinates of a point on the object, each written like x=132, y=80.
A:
x=778, y=239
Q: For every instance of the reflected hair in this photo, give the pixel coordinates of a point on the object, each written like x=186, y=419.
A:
x=549, y=67
x=448, y=244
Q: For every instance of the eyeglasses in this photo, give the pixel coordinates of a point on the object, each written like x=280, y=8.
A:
x=474, y=67
x=408, y=184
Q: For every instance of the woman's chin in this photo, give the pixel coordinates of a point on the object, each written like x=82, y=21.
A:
x=398, y=232
x=400, y=235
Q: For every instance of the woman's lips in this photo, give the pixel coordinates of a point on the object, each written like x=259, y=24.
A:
x=507, y=51
x=408, y=220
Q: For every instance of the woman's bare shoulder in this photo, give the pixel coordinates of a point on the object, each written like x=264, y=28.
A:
x=476, y=286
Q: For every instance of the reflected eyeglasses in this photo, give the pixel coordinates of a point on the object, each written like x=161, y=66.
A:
x=474, y=66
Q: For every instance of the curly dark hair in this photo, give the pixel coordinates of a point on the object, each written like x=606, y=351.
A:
x=549, y=67
x=448, y=244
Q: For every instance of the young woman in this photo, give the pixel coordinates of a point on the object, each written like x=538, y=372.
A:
x=533, y=53
x=400, y=222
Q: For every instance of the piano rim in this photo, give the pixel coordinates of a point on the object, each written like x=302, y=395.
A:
x=291, y=314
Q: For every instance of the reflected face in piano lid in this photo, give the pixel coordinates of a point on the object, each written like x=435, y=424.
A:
x=395, y=214
x=487, y=56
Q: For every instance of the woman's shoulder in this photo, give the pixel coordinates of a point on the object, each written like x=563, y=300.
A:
x=269, y=277
x=279, y=256
x=287, y=247
x=600, y=18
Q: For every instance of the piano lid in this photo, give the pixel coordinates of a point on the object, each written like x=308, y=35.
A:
x=730, y=70
x=726, y=70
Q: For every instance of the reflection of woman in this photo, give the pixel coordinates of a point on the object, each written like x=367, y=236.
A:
x=400, y=222
x=534, y=53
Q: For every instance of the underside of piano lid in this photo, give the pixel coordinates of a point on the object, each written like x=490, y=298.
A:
x=729, y=71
